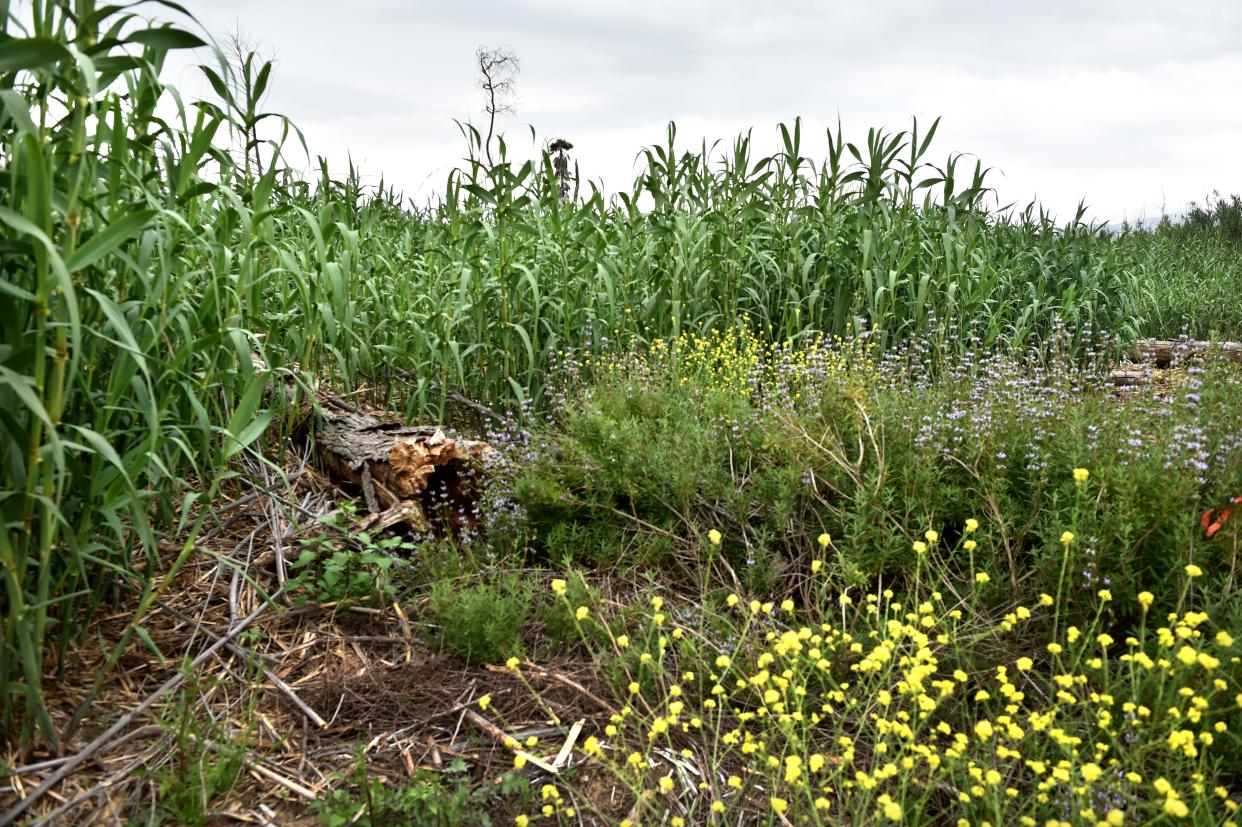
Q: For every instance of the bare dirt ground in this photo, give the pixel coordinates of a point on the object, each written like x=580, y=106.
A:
x=305, y=693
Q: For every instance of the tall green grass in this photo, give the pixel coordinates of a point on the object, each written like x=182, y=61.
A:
x=131, y=251
x=1194, y=280
x=152, y=247
x=482, y=290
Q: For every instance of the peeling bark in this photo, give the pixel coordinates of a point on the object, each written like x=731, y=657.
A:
x=406, y=474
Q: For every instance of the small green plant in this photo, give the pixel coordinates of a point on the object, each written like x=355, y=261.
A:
x=363, y=570
x=432, y=799
x=206, y=762
x=481, y=623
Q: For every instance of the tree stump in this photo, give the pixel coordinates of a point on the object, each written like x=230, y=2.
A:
x=415, y=475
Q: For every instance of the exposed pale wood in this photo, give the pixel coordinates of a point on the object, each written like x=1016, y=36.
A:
x=562, y=757
x=508, y=741
x=1128, y=377
x=395, y=466
x=292, y=786
x=404, y=511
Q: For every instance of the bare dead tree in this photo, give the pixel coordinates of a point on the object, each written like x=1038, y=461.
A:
x=560, y=165
x=498, y=70
x=242, y=71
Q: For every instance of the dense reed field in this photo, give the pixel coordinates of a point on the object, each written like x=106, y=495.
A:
x=172, y=290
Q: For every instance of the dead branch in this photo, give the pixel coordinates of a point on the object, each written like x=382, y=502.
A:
x=103, y=740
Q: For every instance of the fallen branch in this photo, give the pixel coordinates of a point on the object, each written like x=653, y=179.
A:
x=52, y=763
x=10, y=815
x=567, y=748
x=508, y=741
x=1129, y=377
x=258, y=768
x=564, y=680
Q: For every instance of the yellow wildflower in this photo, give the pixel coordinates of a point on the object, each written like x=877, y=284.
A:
x=1176, y=807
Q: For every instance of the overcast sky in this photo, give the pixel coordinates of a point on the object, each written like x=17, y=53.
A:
x=1127, y=104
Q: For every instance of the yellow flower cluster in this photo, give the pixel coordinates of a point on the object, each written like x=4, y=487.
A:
x=735, y=360
x=882, y=707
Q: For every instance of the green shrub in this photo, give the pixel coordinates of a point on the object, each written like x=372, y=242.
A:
x=560, y=627
x=481, y=622
x=652, y=453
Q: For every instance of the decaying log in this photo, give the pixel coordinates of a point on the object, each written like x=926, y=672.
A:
x=1128, y=377
x=406, y=474
x=1162, y=351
